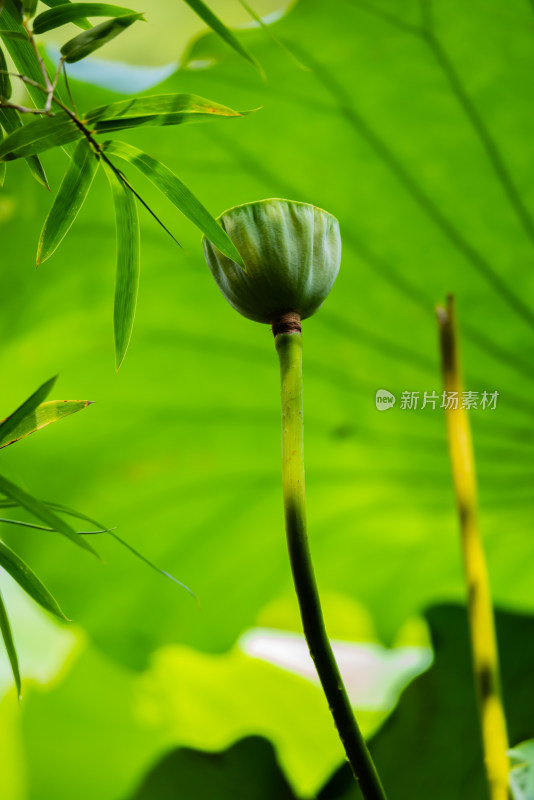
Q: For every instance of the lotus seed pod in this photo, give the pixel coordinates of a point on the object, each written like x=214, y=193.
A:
x=291, y=252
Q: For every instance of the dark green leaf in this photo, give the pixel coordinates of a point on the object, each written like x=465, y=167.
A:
x=127, y=281
x=29, y=7
x=10, y=121
x=39, y=510
x=28, y=580
x=173, y=188
x=44, y=415
x=81, y=23
x=5, y=83
x=13, y=35
x=162, y=109
x=38, y=136
x=205, y=13
x=21, y=51
x=87, y=42
x=69, y=199
x=70, y=12
x=9, y=425
x=248, y=770
x=7, y=636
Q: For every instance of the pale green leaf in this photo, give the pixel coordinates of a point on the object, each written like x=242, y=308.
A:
x=163, y=109
x=44, y=415
x=9, y=425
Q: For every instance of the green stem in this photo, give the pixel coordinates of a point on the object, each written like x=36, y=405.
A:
x=289, y=348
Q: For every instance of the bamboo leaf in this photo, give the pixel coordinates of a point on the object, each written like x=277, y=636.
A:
x=29, y=7
x=40, y=510
x=11, y=423
x=23, y=524
x=10, y=121
x=44, y=415
x=20, y=50
x=127, y=281
x=64, y=510
x=177, y=192
x=69, y=200
x=206, y=14
x=28, y=580
x=2, y=163
x=7, y=636
x=5, y=83
x=70, y=12
x=13, y=35
x=87, y=42
x=81, y=23
x=38, y=136
x=163, y=109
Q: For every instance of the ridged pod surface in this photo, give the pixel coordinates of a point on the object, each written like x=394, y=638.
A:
x=291, y=252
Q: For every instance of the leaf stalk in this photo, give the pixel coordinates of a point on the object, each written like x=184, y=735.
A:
x=289, y=348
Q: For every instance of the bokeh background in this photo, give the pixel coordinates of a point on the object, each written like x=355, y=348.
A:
x=421, y=145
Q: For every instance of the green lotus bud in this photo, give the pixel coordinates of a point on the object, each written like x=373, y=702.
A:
x=291, y=252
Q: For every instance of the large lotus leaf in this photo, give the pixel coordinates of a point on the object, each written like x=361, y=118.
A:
x=182, y=450
x=429, y=747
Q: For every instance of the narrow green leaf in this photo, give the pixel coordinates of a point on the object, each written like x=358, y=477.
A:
x=16, y=9
x=13, y=35
x=64, y=510
x=5, y=84
x=127, y=281
x=29, y=7
x=177, y=192
x=39, y=135
x=162, y=109
x=206, y=14
x=10, y=121
x=40, y=510
x=70, y=12
x=69, y=199
x=2, y=163
x=23, y=524
x=28, y=580
x=81, y=23
x=9, y=425
x=44, y=415
x=87, y=42
x=7, y=636
x=20, y=50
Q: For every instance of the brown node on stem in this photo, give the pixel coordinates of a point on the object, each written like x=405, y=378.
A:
x=287, y=323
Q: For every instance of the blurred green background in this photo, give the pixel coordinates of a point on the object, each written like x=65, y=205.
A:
x=405, y=141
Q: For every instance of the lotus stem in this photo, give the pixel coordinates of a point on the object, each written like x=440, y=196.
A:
x=288, y=341
x=479, y=607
